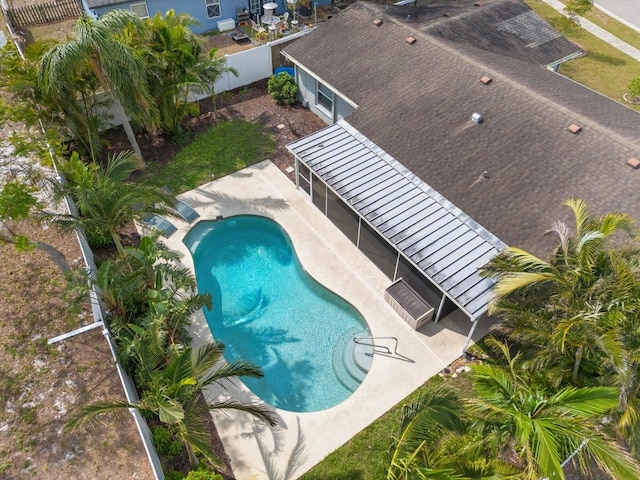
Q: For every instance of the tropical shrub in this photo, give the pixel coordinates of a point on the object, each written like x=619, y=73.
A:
x=283, y=89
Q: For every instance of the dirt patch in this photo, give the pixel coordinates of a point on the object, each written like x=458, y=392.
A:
x=43, y=385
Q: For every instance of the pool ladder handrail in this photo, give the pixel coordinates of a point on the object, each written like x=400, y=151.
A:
x=387, y=350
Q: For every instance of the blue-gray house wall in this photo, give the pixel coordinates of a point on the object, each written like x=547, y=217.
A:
x=196, y=8
x=307, y=94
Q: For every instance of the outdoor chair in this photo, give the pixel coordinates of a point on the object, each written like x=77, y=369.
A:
x=259, y=29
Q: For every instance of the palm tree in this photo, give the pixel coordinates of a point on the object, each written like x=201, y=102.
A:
x=569, y=306
x=98, y=48
x=105, y=200
x=209, y=71
x=171, y=392
x=177, y=67
x=435, y=442
x=536, y=430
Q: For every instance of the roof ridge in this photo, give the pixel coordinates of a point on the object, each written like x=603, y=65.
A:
x=519, y=85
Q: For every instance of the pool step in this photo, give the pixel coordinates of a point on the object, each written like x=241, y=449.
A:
x=351, y=361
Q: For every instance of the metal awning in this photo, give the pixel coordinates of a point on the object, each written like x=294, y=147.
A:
x=432, y=233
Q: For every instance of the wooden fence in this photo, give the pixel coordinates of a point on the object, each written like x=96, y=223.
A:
x=45, y=12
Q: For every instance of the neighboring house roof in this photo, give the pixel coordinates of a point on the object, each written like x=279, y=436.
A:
x=436, y=236
x=104, y=3
x=416, y=101
x=506, y=27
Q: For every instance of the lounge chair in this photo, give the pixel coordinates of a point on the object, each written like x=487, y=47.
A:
x=164, y=226
x=186, y=211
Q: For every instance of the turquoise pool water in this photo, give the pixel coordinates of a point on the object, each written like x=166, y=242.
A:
x=269, y=311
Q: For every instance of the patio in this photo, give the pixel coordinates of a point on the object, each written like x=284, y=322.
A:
x=227, y=45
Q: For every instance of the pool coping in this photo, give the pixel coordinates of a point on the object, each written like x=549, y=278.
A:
x=301, y=440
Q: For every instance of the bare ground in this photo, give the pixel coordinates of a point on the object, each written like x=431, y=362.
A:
x=42, y=385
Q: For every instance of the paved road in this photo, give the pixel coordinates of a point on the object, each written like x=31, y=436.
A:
x=600, y=32
x=625, y=11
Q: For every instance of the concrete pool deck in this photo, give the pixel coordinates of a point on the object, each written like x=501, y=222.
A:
x=301, y=440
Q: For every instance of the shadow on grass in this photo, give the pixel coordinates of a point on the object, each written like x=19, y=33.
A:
x=604, y=58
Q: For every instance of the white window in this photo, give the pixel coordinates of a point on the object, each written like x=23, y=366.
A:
x=140, y=9
x=213, y=8
x=324, y=97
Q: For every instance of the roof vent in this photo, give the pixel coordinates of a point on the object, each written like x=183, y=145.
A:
x=477, y=118
x=377, y=22
x=573, y=128
x=486, y=80
x=633, y=162
x=411, y=40
x=477, y=4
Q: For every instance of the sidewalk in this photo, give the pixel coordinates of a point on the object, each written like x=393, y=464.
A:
x=599, y=32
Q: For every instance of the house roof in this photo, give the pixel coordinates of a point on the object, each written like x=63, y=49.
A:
x=506, y=27
x=415, y=101
x=103, y=3
x=436, y=236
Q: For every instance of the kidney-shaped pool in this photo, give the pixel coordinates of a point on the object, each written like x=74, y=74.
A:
x=269, y=311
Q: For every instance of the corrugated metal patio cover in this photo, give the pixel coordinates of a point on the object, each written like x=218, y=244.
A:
x=440, y=239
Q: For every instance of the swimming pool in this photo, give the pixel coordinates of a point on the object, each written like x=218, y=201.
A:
x=269, y=311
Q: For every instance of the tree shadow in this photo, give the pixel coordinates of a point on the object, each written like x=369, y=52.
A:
x=603, y=58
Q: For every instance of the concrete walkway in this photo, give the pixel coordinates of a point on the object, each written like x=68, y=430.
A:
x=599, y=32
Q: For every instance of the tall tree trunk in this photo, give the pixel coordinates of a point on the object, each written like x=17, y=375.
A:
x=576, y=365
x=127, y=128
x=116, y=240
x=193, y=460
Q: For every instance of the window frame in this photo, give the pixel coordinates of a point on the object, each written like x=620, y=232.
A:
x=322, y=95
x=213, y=4
x=144, y=4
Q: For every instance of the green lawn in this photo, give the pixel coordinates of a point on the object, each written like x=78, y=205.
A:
x=225, y=148
x=603, y=68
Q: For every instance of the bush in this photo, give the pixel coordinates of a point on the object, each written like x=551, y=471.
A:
x=283, y=89
x=634, y=87
x=165, y=442
x=203, y=475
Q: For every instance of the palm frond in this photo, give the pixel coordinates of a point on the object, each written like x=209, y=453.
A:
x=88, y=413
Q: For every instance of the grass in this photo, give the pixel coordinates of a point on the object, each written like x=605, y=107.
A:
x=225, y=148
x=624, y=33
x=601, y=60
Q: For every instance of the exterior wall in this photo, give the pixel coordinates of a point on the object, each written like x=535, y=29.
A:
x=342, y=109
x=195, y=8
x=307, y=93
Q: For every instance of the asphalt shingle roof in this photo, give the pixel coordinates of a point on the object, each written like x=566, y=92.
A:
x=416, y=101
x=103, y=3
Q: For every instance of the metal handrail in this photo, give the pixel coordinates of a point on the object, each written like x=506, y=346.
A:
x=361, y=340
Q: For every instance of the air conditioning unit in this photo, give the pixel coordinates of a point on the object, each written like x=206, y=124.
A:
x=226, y=25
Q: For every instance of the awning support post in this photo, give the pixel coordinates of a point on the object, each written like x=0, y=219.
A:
x=440, y=307
x=473, y=328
